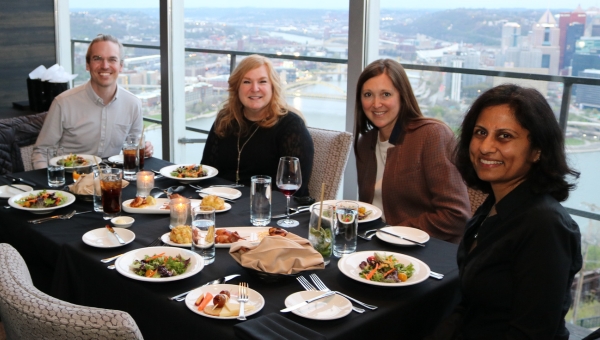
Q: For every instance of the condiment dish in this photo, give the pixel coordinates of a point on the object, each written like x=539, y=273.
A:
x=123, y=221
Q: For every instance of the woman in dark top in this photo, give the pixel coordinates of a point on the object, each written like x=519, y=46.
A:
x=256, y=127
x=521, y=249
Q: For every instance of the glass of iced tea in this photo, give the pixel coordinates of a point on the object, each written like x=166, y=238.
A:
x=142, y=152
x=111, y=189
x=130, y=157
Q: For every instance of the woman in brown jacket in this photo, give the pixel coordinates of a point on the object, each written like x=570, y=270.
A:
x=404, y=159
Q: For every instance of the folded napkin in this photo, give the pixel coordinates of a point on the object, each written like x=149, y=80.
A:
x=85, y=185
x=278, y=255
x=274, y=327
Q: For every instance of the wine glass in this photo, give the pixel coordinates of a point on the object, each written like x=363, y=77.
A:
x=289, y=180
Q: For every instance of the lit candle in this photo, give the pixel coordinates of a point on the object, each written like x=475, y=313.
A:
x=145, y=183
x=180, y=212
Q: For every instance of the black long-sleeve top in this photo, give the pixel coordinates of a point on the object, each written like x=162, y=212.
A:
x=260, y=155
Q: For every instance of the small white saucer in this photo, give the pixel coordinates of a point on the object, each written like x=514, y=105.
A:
x=223, y=192
x=7, y=191
x=102, y=238
x=412, y=233
x=329, y=308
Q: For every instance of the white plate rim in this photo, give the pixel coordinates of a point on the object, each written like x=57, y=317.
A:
x=166, y=171
x=375, y=215
x=55, y=159
x=215, y=190
x=156, y=208
x=116, y=159
x=12, y=201
x=124, y=261
x=233, y=289
x=5, y=188
x=124, y=233
x=346, y=305
x=421, y=268
x=410, y=232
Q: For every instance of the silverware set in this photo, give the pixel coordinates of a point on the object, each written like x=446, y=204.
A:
x=308, y=286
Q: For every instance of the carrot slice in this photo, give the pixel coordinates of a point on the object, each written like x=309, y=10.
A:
x=207, y=298
x=155, y=256
x=372, y=272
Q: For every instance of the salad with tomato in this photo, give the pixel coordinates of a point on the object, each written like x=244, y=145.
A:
x=42, y=199
x=160, y=265
x=189, y=171
x=385, y=268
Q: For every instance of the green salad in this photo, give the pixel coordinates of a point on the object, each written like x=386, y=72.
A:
x=385, y=268
x=160, y=265
x=42, y=199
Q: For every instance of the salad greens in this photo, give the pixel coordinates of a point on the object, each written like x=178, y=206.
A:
x=385, y=268
x=73, y=160
x=189, y=171
x=160, y=265
x=42, y=199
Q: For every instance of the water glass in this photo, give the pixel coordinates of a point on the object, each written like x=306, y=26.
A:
x=346, y=228
x=320, y=234
x=130, y=156
x=145, y=183
x=203, y=233
x=260, y=200
x=111, y=188
x=181, y=212
x=56, y=172
x=96, y=172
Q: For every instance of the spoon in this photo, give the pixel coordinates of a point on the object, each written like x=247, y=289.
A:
x=369, y=237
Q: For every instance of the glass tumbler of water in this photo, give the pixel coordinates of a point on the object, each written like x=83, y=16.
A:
x=96, y=172
x=260, y=200
x=346, y=228
x=130, y=156
x=203, y=233
x=56, y=171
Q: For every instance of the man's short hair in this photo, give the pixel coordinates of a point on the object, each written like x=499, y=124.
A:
x=105, y=37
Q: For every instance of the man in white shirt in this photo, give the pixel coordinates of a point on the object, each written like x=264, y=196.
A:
x=93, y=118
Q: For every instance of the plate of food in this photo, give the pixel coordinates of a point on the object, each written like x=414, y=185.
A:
x=7, y=191
x=366, y=212
x=220, y=301
x=159, y=264
x=187, y=173
x=41, y=201
x=75, y=161
x=227, y=236
x=386, y=269
x=102, y=238
x=329, y=308
x=151, y=205
x=409, y=232
x=224, y=192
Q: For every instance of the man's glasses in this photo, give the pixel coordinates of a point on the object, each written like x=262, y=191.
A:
x=99, y=60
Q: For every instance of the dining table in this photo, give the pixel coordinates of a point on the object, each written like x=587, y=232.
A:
x=65, y=267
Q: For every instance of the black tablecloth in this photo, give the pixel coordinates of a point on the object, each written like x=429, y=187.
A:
x=65, y=267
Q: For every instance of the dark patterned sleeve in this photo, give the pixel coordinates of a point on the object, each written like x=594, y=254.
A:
x=295, y=140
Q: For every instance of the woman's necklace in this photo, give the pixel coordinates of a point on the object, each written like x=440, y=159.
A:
x=382, y=154
x=239, y=150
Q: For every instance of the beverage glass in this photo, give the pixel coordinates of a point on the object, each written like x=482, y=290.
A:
x=203, y=233
x=142, y=153
x=260, y=200
x=96, y=172
x=289, y=180
x=111, y=188
x=56, y=172
x=320, y=235
x=130, y=157
x=181, y=212
x=145, y=183
x=346, y=228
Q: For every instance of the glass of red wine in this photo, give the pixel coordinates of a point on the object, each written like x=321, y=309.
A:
x=289, y=180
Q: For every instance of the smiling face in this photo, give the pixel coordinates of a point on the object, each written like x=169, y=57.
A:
x=255, y=93
x=104, y=66
x=500, y=150
x=381, y=104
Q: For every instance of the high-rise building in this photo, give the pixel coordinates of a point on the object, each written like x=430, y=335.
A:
x=589, y=95
x=567, y=20
x=587, y=55
x=545, y=37
x=511, y=33
x=574, y=33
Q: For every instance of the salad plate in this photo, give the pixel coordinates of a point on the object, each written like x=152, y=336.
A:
x=375, y=212
x=409, y=232
x=329, y=308
x=91, y=160
x=124, y=263
x=68, y=200
x=224, y=192
x=7, y=191
x=349, y=266
x=102, y=238
x=255, y=299
x=162, y=207
x=210, y=172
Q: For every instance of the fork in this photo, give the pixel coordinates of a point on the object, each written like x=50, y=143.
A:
x=322, y=287
x=156, y=242
x=308, y=286
x=364, y=235
x=242, y=299
x=56, y=217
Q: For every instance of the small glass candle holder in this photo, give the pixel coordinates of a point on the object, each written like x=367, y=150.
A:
x=145, y=183
x=181, y=212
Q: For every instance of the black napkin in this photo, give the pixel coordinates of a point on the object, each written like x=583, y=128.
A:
x=274, y=327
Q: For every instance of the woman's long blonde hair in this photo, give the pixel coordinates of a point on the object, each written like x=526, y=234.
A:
x=233, y=109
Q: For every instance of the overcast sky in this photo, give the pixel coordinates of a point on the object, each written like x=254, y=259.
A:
x=343, y=4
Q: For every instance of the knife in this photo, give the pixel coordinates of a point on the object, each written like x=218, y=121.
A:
x=402, y=237
x=16, y=187
x=213, y=282
x=115, y=233
x=304, y=303
x=19, y=180
x=294, y=213
x=55, y=217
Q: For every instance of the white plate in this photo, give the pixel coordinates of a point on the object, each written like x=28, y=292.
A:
x=122, y=264
x=223, y=192
x=7, y=191
x=90, y=158
x=255, y=299
x=372, y=217
x=348, y=265
x=102, y=238
x=117, y=159
x=210, y=172
x=69, y=199
x=167, y=240
x=329, y=308
x=250, y=233
x=412, y=233
x=158, y=208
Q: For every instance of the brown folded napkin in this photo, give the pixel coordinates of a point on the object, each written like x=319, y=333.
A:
x=85, y=185
x=278, y=255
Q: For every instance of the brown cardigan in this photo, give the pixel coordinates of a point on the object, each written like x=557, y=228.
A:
x=421, y=186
